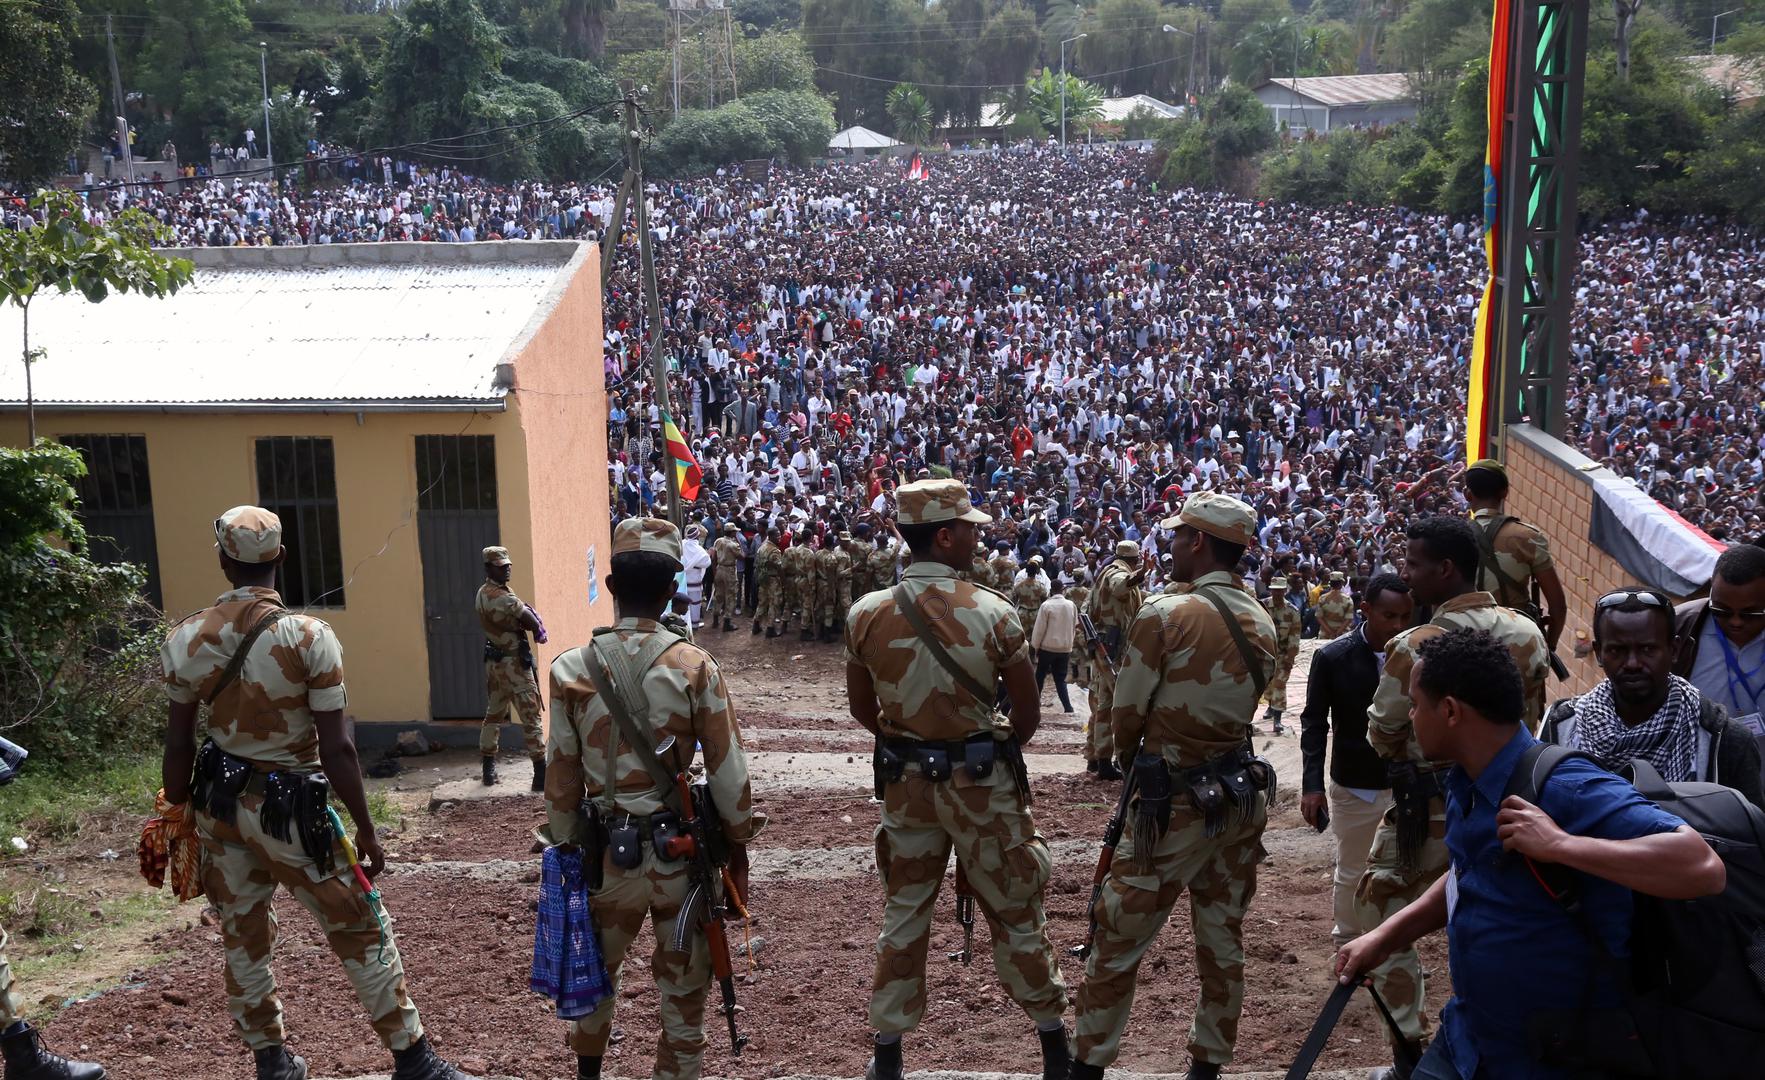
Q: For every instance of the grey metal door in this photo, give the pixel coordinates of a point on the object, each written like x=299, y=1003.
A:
x=116, y=503
x=456, y=520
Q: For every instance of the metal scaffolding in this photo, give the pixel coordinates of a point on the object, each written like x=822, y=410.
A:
x=702, y=40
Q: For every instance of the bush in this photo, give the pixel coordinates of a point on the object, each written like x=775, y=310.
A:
x=79, y=650
x=1365, y=167
x=793, y=124
x=1218, y=148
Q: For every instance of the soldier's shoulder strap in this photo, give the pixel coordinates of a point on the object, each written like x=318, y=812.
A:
x=1486, y=549
x=1246, y=651
x=612, y=671
x=236, y=663
x=964, y=678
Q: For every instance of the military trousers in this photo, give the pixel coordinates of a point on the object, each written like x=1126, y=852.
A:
x=1277, y=692
x=987, y=825
x=1386, y=887
x=725, y=595
x=770, y=610
x=803, y=604
x=1219, y=875
x=11, y=1010
x=242, y=866
x=653, y=890
x=836, y=601
x=1099, y=737
x=508, y=684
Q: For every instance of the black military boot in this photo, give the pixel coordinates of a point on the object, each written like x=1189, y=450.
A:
x=771, y=631
x=885, y=1063
x=588, y=1068
x=27, y=1060
x=273, y=1063
x=1275, y=719
x=757, y=626
x=728, y=625
x=1090, y=766
x=1107, y=770
x=1082, y=1071
x=1202, y=1070
x=489, y=772
x=807, y=634
x=419, y=1062
x=1056, y=1053
x=539, y=774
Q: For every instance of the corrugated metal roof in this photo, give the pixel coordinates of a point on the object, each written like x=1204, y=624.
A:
x=288, y=325
x=1336, y=90
x=1115, y=109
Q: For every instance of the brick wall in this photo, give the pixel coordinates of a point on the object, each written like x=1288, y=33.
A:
x=1550, y=490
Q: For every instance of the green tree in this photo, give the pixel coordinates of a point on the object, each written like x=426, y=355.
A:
x=197, y=64
x=777, y=61
x=1008, y=45
x=440, y=59
x=1218, y=149
x=912, y=115
x=861, y=49
x=585, y=26
x=1725, y=174
x=1125, y=38
x=44, y=103
x=765, y=15
x=64, y=252
x=1084, y=101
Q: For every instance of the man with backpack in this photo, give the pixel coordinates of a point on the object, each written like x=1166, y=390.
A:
x=1643, y=710
x=1528, y=972
x=1516, y=565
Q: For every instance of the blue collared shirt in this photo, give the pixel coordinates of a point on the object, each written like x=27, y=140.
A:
x=1514, y=950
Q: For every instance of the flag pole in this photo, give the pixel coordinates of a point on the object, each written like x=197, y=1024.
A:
x=647, y=265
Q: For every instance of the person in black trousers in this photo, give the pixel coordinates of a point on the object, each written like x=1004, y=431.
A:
x=1052, y=640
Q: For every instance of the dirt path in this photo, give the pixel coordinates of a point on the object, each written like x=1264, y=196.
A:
x=462, y=888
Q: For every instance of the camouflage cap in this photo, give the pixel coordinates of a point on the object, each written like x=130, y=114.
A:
x=929, y=502
x=1336, y=577
x=1278, y=585
x=496, y=556
x=647, y=534
x=1127, y=549
x=248, y=534
x=1489, y=465
x=1216, y=515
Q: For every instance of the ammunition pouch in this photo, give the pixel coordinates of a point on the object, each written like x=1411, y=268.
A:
x=1413, y=790
x=1152, y=804
x=887, y=766
x=294, y=802
x=622, y=837
x=1227, y=785
x=524, y=654
x=664, y=826
x=978, y=754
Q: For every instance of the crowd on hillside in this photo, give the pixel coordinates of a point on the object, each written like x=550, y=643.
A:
x=1082, y=346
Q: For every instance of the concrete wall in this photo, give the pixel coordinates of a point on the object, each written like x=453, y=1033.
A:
x=1551, y=490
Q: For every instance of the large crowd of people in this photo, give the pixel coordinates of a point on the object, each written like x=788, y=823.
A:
x=1083, y=345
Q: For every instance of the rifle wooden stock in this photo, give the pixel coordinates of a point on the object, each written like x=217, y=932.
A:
x=1112, y=837
x=694, y=848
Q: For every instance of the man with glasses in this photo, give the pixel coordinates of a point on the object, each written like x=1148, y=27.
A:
x=1643, y=710
x=1721, y=641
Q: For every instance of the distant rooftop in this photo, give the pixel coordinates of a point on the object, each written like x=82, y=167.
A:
x=326, y=323
x=1114, y=110
x=1338, y=90
x=1731, y=74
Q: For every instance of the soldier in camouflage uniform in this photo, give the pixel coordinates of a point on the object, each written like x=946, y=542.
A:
x=726, y=567
x=1080, y=595
x=861, y=549
x=280, y=717
x=1113, y=607
x=1335, y=610
x=928, y=722
x=1409, y=849
x=682, y=695
x=1183, y=705
x=799, y=563
x=1001, y=569
x=1286, y=621
x=1521, y=552
x=833, y=565
x=509, y=672
x=885, y=562
x=770, y=577
x=1028, y=595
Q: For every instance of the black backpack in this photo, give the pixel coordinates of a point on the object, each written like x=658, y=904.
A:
x=1695, y=982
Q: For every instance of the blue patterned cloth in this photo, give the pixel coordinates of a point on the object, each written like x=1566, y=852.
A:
x=567, y=964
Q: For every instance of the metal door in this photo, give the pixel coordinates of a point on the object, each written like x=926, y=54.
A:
x=116, y=503
x=456, y=520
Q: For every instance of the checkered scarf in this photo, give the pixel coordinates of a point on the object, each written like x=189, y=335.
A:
x=1667, y=740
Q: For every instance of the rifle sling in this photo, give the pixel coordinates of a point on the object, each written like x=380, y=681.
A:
x=1258, y=677
x=964, y=678
x=1326, y=1023
x=237, y=663
x=641, y=737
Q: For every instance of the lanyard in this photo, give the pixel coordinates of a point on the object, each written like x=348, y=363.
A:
x=1736, y=676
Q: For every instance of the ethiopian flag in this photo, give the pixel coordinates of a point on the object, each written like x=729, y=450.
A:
x=1482, y=406
x=687, y=473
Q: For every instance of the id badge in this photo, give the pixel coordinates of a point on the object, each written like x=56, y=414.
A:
x=1754, y=724
x=1452, y=892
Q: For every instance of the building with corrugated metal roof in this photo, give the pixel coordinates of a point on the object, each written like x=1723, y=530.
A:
x=401, y=406
x=1332, y=102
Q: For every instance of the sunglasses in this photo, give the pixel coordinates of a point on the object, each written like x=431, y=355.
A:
x=1730, y=613
x=1620, y=597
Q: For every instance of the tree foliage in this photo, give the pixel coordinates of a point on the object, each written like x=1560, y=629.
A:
x=1219, y=146
x=1083, y=102
x=912, y=115
x=44, y=103
x=791, y=124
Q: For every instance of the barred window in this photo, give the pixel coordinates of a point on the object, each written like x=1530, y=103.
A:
x=297, y=481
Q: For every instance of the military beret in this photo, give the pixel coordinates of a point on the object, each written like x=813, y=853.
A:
x=1490, y=465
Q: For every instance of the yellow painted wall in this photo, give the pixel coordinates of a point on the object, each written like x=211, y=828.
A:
x=203, y=463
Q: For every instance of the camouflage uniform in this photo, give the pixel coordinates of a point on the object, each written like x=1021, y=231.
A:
x=508, y=681
x=799, y=562
x=10, y=1009
x=1001, y=568
x=769, y=577
x=833, y=569
x=1113, y=606
x=726, y=566
x=1184, y=692
x=1081, y=653
x=295, y=668
x=1286, y=621
x=861, y=551
x=1335, y=612
x=687, y=698
x=1522, y=551
x=1387, y=885
x=1028, y=596
x=987, y=822
x=885, y=563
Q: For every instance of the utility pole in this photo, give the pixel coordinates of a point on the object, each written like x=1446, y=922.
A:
x=263, y=61
x=116, y=88
x=632, y=187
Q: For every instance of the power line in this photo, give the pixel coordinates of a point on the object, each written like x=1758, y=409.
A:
x=986, y=86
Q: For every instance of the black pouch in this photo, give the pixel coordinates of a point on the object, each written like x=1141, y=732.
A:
x=594, y=847
x=978, y=754
x=491, y=652
x=664, y=826
x=624, y=843
x=312, y=800
x=1152, y=804
x=1240, y=789
x=934, y=762
x=887, y=766
x=277, y=815
x=217, y=781
x=1208, y=796
x=1262, y=774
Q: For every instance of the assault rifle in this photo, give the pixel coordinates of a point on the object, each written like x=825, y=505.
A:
x=964, y=915
x=1112, y=836
x=704, y=846
x=1089, y=630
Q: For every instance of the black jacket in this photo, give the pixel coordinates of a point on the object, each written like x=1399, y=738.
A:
x=1344, y=675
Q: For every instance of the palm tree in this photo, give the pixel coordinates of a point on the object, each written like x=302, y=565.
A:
x=911, y=112
x=1084, y=100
